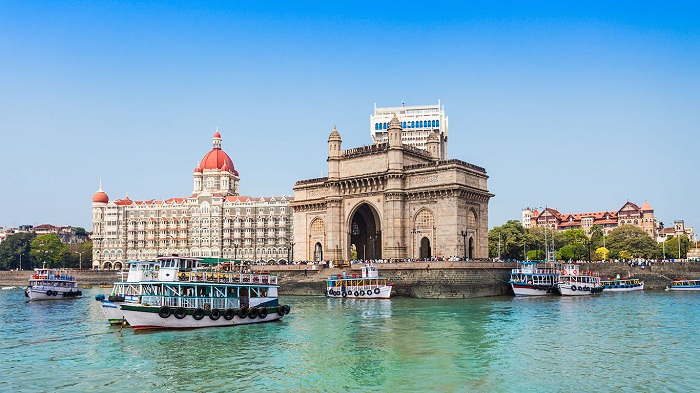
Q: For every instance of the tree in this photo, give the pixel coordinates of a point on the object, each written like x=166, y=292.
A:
x=633, y=240
x=75, y=253
x=601, y=253
x=80, y=231
x=49, y=249
x=15, y=248
x=575, y=252
x=512, y=238
x=671, y=247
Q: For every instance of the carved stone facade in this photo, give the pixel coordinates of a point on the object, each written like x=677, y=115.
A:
x=391, y=201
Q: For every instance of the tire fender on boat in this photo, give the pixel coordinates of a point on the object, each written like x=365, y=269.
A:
x=164, y=312
x=573, y=287
x=229, y=314
x=242, y=312
x=214, y=314
x=198, y=313
x=253, y=313
x=376, y=291
x=262, y=313
x=280, y=311
x=180, y=312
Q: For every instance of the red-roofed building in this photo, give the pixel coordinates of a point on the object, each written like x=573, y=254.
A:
x=213, y=222
x=630, y=213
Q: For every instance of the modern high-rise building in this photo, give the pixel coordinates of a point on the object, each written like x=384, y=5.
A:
x=213, y=222
x=418, y=123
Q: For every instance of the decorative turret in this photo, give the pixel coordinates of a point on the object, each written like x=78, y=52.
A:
x=433, y=146
x=395, y=132
x=334, y=153
x=215, y=173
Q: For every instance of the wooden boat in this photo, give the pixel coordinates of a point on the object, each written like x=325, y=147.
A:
x=622, y=284
x=368, y=285
x=684, y=284
x=532, y=279
x=52, y=284
x=575, y=282
x=181, y=293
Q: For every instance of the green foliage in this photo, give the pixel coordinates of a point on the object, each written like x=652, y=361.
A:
x=12, y=247
x=47, y=248
x=80, y=231
x=512, y=238
x=670, y=245
x=535, y=255
x=575, y=236
x=633, y=240
x=573, y=252
x=72, y=257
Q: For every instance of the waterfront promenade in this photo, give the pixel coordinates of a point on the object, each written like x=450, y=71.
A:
x=425, y=279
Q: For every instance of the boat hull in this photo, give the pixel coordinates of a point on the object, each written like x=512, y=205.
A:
x=147, y=318
x=384, y=292
x=112, y=311
x=688, y=288
x=579, y=290
x=521, y=290
x=51, y=294
x=629, y=289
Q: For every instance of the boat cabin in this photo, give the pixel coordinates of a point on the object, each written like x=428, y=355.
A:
x=370, y=272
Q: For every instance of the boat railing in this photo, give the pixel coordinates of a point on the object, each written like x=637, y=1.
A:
x=227, y=277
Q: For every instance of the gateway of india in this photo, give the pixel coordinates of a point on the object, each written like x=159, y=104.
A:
x=396, y=199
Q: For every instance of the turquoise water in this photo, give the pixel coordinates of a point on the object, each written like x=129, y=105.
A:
x=630, y=342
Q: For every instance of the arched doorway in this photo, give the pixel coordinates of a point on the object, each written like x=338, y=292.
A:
x=471, y=248
x=318, y=252
x=365, y=233
x=425, y=248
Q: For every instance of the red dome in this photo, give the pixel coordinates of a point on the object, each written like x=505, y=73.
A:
x=100, y=197
x=217, y=158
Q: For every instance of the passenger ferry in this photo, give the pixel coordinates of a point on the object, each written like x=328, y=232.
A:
x=684, y=284
x=368, y=285
x=575, y=282
x=52, y=284
x=531, y=279
x=622, y=284
x=186, y=294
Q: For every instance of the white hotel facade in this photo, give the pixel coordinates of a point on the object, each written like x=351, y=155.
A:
x=214, y=222
x=418, y=123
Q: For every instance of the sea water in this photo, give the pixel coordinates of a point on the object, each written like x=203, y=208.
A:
x=629, y=342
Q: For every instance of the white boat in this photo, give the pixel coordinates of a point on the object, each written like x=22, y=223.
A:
x=622, y=284
x=684, y=284
x=52, y=284
x=575, y=282
x=130, y=289
x=185, y=294
x=532, y=279
x=367, y=285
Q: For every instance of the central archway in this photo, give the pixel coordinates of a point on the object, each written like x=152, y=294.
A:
x=365, y=233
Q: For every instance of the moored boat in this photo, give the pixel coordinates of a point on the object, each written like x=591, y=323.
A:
x=532, y=279
x=368, y=285
x=622, y=284
x=684, y=284
x=52, y=284
x=575, y=282
x=185, y=295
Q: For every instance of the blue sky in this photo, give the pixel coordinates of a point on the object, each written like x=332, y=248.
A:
x=579, y=106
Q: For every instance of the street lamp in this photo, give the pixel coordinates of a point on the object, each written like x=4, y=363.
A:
x=464, y=236
x=80, y=253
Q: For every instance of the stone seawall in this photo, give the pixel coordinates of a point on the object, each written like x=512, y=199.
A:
x=441, y=280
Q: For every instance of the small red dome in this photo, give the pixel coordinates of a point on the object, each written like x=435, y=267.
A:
x=198, y=169
x=100, y=197
x=217, y=135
